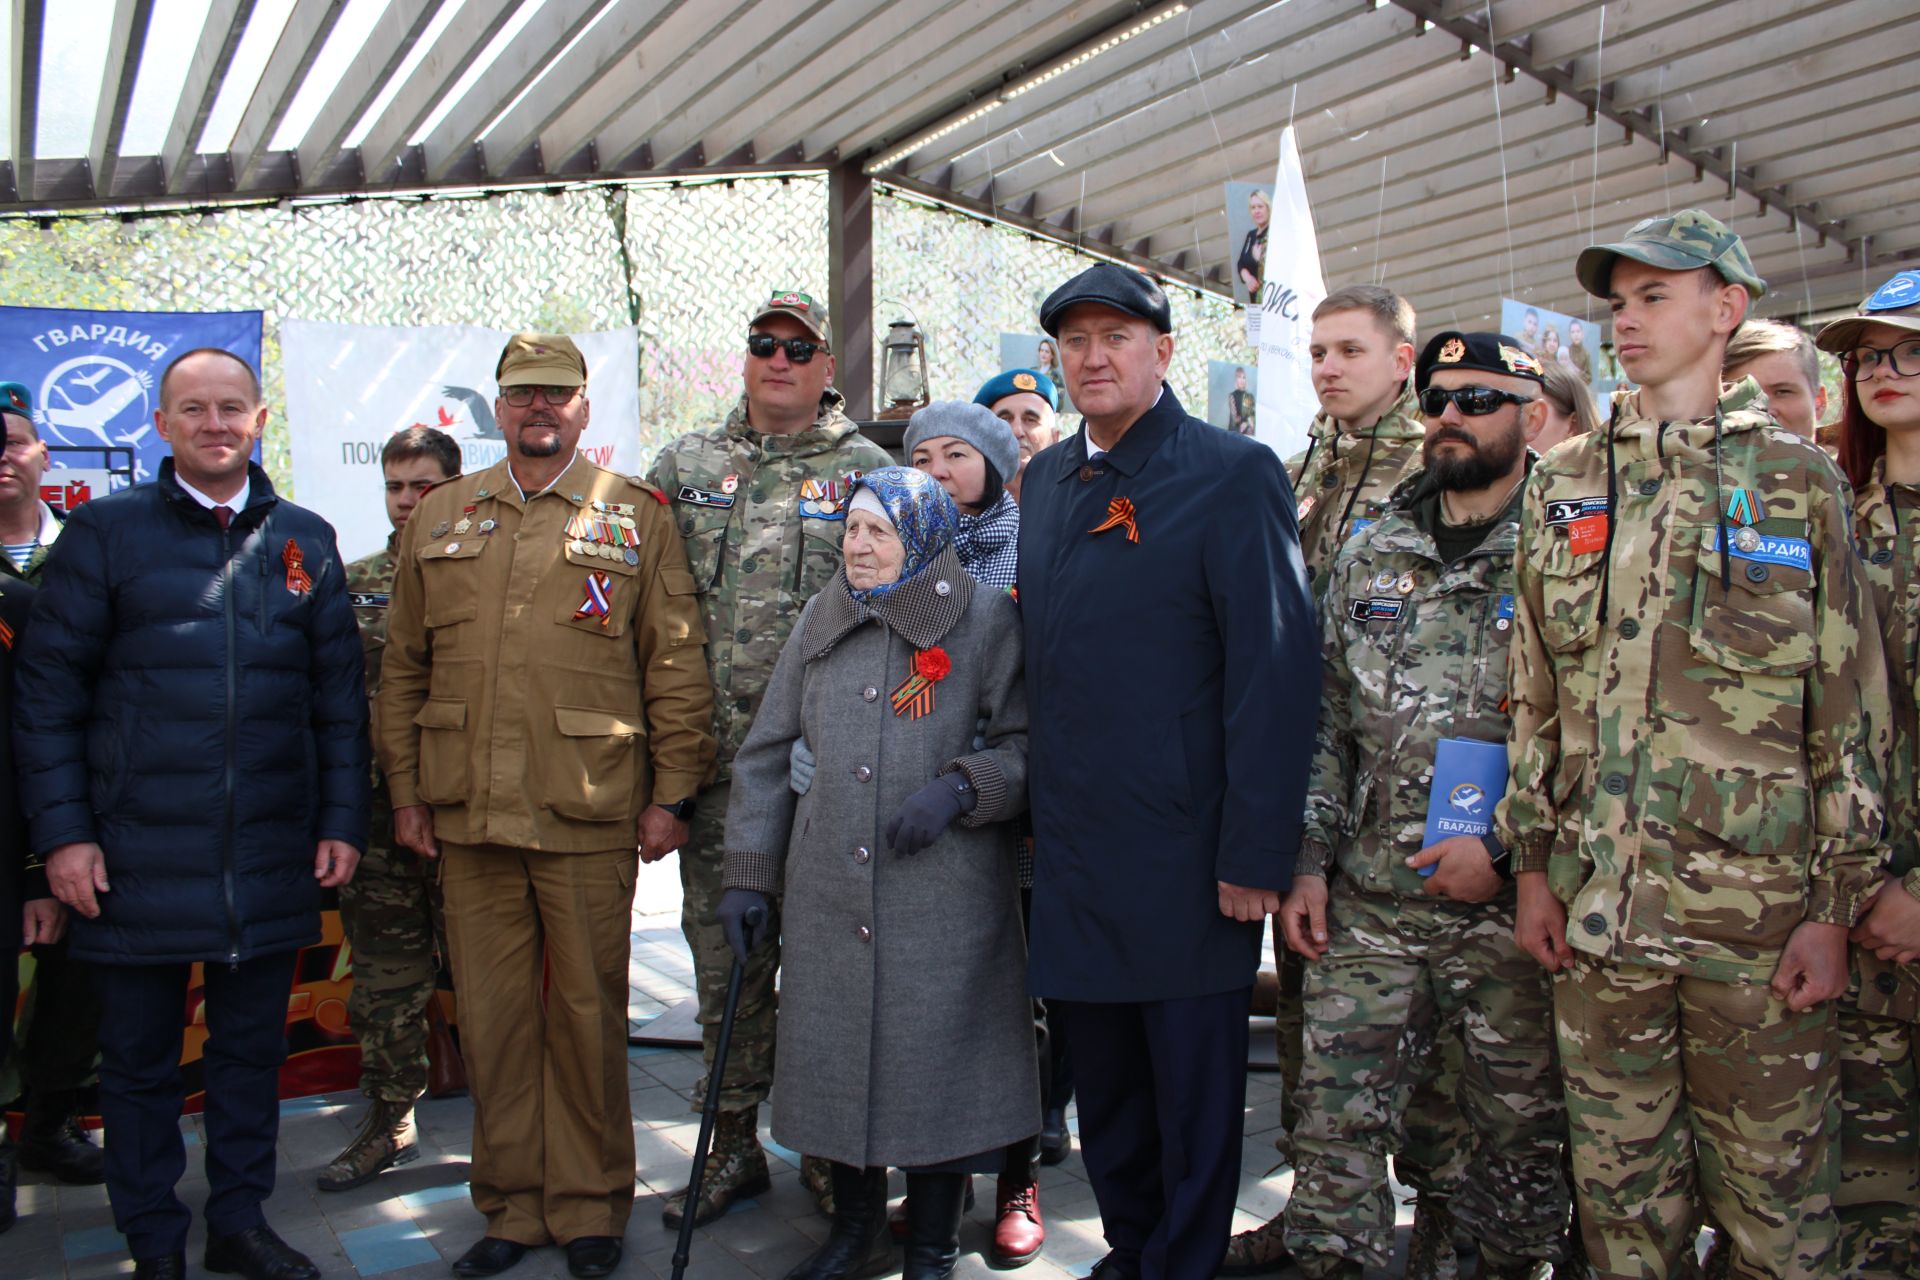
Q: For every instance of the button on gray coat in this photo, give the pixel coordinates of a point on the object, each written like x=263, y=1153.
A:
x=905, y=1034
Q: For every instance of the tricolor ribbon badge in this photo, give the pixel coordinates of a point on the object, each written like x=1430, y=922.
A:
x=597, y=604
x=298, y=581
x=1119, y=514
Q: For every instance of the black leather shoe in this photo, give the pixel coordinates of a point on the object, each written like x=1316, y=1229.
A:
x=489, y=1256
x=591, y=1256
x=258, y=1254
x=1056, y=1140
x=172, y=1266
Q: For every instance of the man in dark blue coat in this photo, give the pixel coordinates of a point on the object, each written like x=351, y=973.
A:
x=1173, y=678
x=191, y=730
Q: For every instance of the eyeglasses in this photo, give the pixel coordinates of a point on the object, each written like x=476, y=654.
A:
x=762, y=346
x=522, y=396
x=1903, y=358
x=1475, y=402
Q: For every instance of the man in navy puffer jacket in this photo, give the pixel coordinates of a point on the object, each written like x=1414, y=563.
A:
x=191, y=730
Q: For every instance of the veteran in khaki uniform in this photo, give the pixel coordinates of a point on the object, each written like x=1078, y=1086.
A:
x=760, y=503
x=391, y=909
x=1410, y=943
x=544, y=701
x=1695, y=805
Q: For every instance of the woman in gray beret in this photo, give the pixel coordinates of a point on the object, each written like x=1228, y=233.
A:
x=972, y=453
x=905, y=1035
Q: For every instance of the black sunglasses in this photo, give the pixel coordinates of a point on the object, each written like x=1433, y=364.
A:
x=1475, y=402
x=762, y=346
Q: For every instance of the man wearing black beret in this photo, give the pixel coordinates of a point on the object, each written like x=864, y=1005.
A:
x=1171, y=650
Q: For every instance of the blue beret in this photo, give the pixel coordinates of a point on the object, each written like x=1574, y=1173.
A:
x=1110, y=285
x=15, y=398
x=1013, y=382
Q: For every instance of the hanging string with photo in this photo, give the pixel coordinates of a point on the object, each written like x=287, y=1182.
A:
x=1500, y=133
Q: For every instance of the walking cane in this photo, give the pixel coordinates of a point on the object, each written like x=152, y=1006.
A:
x=755, y=919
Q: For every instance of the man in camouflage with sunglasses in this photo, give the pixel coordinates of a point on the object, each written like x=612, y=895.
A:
x=760, y=502
x=1695, y=809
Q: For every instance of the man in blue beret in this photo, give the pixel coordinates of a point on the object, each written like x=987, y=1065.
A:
x=1028, y=401
x=1173, y=682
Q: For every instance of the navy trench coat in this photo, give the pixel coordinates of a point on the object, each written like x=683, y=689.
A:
x=1173, y=683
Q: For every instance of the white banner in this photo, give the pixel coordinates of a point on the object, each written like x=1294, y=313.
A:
x=350, y=387
x=1282, y=324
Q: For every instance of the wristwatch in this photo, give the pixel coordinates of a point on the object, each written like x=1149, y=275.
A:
x=681, y=809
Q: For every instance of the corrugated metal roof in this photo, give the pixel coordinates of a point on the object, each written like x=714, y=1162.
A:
x=1459, y=150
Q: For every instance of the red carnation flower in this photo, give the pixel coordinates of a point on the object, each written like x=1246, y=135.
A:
x=932, y=664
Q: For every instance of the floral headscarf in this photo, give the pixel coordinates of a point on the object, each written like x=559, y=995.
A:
x=922, y=514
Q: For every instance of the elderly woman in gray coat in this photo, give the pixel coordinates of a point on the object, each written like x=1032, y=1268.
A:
x=905, y=1036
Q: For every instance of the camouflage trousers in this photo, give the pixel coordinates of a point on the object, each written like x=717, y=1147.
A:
x=749, y=1073
x=1685, y=1093
x=1398, y=975
x=395, y=926
x=1878, y=1201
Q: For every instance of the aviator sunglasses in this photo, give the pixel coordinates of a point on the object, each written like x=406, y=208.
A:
x=1475, y=402
x=799, y=350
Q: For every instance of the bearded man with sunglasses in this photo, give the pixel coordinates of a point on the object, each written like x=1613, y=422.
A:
x=543, y=716
x=1408, y=931
x=760, y=502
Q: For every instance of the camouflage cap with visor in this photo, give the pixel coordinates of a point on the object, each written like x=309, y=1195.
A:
x=802, y=307
x=1684, y=241
x=1895, y=303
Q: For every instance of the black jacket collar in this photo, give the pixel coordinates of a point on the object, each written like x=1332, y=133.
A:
x=260, y=500
x=1130, y=456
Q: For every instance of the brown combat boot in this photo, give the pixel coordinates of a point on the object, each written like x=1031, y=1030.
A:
x=387, y=1138
x=736, y=1169
x=1430, y=1254
x=1258, y=1252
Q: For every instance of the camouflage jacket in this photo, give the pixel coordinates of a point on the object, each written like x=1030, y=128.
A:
x=758, y=546
x=1886, y=521
x=1692, y=764
x=1414, y=650
x=1342, y=480
x=370, y=589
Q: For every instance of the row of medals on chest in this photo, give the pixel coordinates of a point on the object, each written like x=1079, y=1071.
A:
x=606, y=530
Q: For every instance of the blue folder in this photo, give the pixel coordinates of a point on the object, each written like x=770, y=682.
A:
x=1469, y=777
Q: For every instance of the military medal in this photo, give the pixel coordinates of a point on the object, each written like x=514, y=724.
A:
x=1406, y=584
x=1384, y=580
x=489, y=525
x=731, y=483
x=1745, y=539
x=632, y=556
x=598, y=603
x=1744, y=507
x=439, y=530
x=464, y=525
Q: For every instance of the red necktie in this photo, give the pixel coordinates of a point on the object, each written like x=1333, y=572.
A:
x=224, y=515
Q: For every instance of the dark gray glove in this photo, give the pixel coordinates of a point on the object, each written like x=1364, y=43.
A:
x=929, y=811
x=742, y=914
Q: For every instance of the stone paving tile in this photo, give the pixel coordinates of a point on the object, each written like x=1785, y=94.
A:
x=411, y=1222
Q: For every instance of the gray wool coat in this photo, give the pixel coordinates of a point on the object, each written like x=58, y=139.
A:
x=905, y=1032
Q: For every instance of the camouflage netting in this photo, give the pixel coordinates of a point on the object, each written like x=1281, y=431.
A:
x=685, y=263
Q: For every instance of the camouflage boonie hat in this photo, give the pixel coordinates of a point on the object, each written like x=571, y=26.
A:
x=1896, y=303
x=802, y=307
x=1684, y=241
